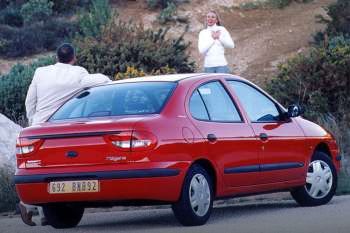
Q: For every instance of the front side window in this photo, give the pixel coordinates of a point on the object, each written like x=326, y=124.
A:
x=212, y=101
x=258, y=106
x=116, y=100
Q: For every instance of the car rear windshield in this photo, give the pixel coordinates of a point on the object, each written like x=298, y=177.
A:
x=137, y=98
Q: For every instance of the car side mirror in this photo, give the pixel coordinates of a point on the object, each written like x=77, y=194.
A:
x=295, y=110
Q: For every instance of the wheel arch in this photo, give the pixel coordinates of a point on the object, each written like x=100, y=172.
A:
x=210, y=168
x=323, y=147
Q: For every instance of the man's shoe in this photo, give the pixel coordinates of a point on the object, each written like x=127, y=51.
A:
x=26, y=216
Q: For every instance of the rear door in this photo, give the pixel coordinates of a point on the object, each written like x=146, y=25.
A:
x=230, y=140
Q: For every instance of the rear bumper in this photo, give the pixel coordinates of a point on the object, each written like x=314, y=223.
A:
x=157, y=184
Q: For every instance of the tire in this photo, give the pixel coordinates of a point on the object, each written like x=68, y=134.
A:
x=63, y=216
x=321, y=182
x=201, y=196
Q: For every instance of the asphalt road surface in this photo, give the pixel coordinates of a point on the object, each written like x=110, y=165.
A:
x=251, y=217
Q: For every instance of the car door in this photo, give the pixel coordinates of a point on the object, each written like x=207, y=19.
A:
x=230, y=140
x=282, y=152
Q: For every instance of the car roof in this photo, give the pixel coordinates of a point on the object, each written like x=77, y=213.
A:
x=164, y=78
x=173, y=78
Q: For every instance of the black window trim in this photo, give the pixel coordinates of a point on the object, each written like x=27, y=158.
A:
x=278, y=107
x=206, y=108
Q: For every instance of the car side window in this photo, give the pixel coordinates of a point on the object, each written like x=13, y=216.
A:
x=197, y=107
x=217, y=103
x=258, y=106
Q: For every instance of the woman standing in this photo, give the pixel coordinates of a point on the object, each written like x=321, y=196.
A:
x=212, y=42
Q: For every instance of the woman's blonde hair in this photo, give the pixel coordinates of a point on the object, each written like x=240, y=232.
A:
x=217, y=18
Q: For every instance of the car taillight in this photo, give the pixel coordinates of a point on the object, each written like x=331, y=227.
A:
x=26, y=146
x=134, y=141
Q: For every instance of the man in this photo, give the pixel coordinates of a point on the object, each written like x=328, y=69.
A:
x=52, y=86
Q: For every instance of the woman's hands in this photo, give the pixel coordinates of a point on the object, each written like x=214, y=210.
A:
x=215, y=35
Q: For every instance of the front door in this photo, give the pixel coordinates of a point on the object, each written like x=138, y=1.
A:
x=282, y=152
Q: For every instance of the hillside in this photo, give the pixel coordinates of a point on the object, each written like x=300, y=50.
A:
x=264, y=37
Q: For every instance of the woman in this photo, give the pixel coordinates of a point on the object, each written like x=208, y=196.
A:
x=212, y=42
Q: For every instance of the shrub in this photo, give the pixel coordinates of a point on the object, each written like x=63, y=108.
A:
x=36, y=10
x=338, y=22
x=152, y=4
x=35, y=38
x=319, y=81
x=269, y=4
x=13, y=89
x=125, y=44
x=167, y=14
x=11, y=16
x=92, y=22
x=8, y=195
x=339, y=12
x=131, y=72
x=65, y=6
x=4, y=4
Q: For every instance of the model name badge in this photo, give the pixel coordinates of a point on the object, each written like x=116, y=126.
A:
x=116, y=158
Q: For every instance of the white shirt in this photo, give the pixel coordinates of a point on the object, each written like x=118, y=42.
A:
x=53, y=85
x=214, y=50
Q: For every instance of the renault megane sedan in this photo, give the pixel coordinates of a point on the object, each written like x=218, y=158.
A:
x=184, y=140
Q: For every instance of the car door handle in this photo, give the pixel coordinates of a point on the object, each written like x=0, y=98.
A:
x=263, y=136
x=211, y=137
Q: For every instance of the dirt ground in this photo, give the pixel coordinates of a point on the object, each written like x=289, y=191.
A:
x=263, y=37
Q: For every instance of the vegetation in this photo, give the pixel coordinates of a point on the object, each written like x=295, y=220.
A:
x=168, y=11
x=320, y=82
x=13, y=89
x=338, y=22
x=124, y=45
x=91, y=22
x=257, y=4
x=33, y=26
x=8, y=196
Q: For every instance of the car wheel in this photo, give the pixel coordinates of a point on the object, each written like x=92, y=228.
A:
x=321, y=182
x=196, y=201
x=63, y=216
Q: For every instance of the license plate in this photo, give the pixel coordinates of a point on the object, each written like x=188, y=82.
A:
x=77, y=186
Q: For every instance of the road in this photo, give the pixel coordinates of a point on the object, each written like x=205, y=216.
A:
x=258, y=217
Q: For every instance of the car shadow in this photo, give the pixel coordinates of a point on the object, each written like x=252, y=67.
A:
x=164, y=218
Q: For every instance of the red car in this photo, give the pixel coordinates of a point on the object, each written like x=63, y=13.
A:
x=180, y=139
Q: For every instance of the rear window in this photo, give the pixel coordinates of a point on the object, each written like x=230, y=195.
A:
x=116, y=100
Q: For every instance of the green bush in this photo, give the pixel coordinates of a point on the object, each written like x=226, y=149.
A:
x=337, y=21
x=125, y=44
x=66, y=6
x=8, y=195
x=11, y=16
x=167, y=14
x=34, y=38
x=92, y=21
x=339, y=24
x=153, y=4
x=320, y=81
x=269, y=4
x=13, y=89
x=4, y=4
x=36, y=10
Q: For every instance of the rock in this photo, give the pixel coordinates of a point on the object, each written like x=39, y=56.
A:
x=8, y=135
